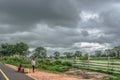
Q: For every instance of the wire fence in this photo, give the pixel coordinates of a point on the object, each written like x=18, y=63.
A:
x=99, y=65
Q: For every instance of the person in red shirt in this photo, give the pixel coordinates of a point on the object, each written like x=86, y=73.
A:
x=19, y=68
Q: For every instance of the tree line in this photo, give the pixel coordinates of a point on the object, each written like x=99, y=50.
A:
x=13, y=49
x=114, y=52
x=22, y=48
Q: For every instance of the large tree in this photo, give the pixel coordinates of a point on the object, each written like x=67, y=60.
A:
x=21, y=48
x=40, y=52
x=4, y=49
x=7, y=49
x=16, y=49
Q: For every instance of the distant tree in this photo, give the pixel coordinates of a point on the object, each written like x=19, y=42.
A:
x=4, y=49
x=56, y=55
x=84, y=57
x=51, y=57
x=109, y=52
x=68, y=54
x=21, y=48
x=103, y=55
x=117, y=51
x=98, y=53
x=1, y=54
x=10, y=50
x=112, y=53
x=40, y=52
x=78, y=54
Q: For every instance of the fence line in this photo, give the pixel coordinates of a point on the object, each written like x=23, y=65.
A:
x=112, y=67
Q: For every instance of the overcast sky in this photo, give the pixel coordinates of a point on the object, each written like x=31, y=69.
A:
x=61, y=25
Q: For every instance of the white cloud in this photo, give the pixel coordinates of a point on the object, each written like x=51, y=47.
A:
x=90, y=47
x=85, y=16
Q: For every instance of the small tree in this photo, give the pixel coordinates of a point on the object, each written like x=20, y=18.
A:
x=56, y=55
x=84, y=57
x=98, y=53
x=68, y=54
x=117, y=51
x=77, y=54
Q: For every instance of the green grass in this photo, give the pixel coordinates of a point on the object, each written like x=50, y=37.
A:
x=16, y=61
x=54, y=65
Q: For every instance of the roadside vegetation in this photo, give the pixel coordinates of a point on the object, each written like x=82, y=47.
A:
x=19, y=53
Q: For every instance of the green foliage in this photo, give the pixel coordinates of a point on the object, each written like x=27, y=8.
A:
x=57, y=62
x=16, y=49
x=57, y=65
x=56, y=55
x=84, y=57
x=47, y=64
x=66, y=63
x=117, y=51
x=68, y=54
x=78, y=53
x=16, y=61
x=115, y=77
x=40, y=52
x=53, y=68
x=98, y=53
x=21, y=48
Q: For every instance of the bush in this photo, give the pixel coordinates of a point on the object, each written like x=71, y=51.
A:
x=53, y=68
x=67, y=63
x=16, y=61
x=85, y=57
x=48, y=62
x=57, y=62
x=44, y=66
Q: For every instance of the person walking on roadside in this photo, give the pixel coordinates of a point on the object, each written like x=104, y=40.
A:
x=33, y=64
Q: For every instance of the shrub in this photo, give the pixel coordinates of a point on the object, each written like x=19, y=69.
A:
x=57, y=62
x=85, y=57
x=67, y=63
x=16, y=61
x=48, y=62
x=53, y=68
x=44, y=66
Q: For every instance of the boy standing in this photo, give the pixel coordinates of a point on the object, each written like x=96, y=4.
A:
x=33, y=64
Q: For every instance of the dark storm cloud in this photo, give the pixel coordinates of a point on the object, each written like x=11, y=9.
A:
x=85, y=33
x=96, y=5
x=55, y=12
x=112, y=21
x=59, y=25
